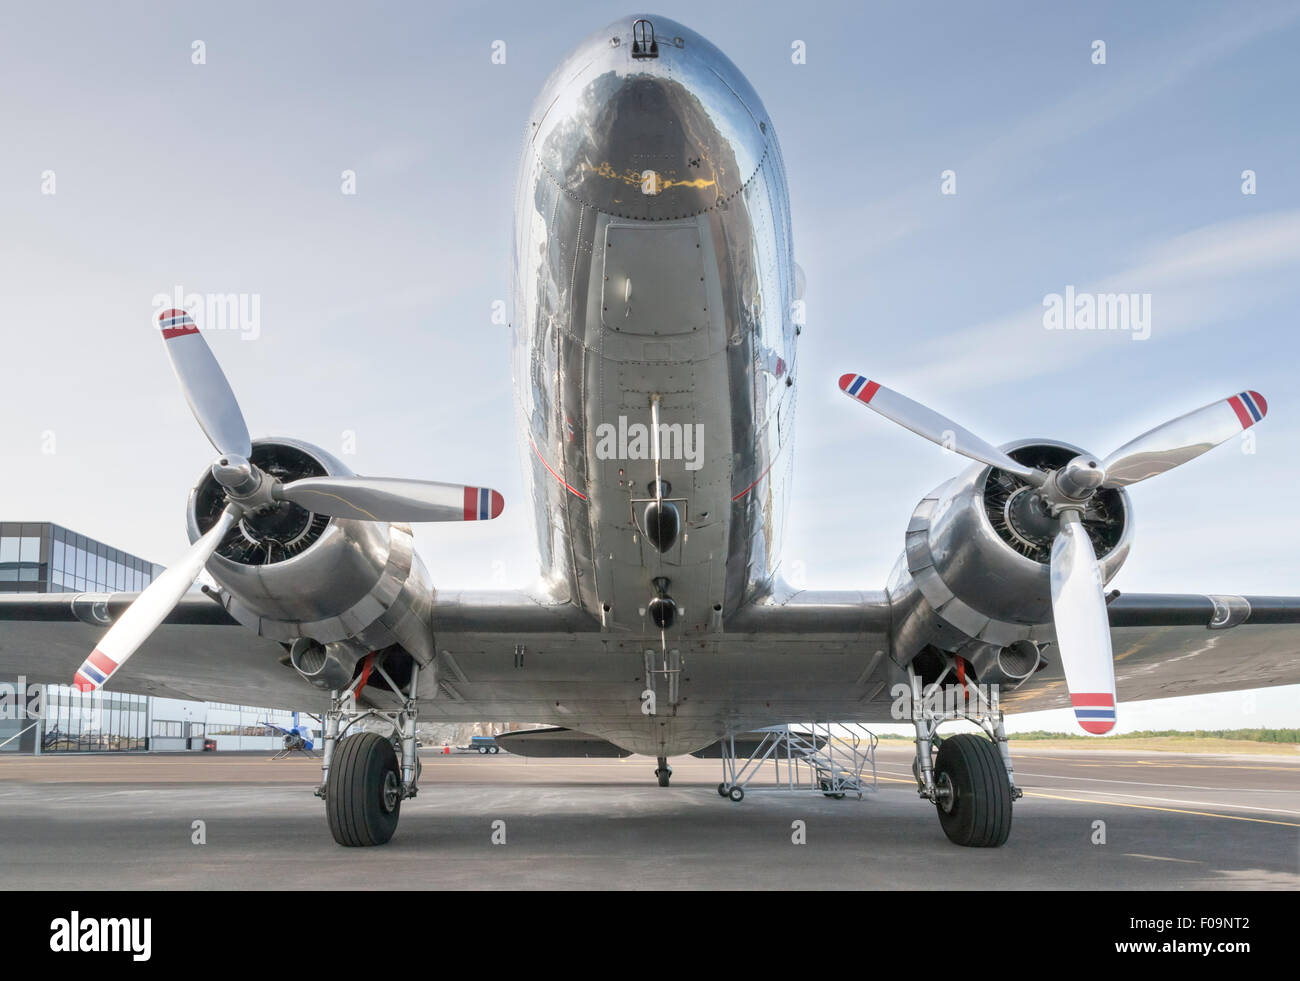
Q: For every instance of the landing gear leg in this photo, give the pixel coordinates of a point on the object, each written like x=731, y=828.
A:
x=970, y=782
x=663, y=771
x=364, y=780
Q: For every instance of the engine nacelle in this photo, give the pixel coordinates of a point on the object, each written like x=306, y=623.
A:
x=347, y=587
x=974, y=578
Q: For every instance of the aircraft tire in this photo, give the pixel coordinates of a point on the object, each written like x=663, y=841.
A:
x=978, y=814
x=363, y=795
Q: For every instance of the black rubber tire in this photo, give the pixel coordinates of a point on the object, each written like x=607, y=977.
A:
x=482, y=751
x=495, y=750
x=663, y=776
x=737, y=794
x=825, y=786
x=722, y=790
x=980, y=812
x=354, y=795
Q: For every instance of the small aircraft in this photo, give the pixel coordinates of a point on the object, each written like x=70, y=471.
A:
x=656, y=317
x=297, y=739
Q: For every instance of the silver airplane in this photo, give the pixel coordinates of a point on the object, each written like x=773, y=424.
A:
x=657, y=310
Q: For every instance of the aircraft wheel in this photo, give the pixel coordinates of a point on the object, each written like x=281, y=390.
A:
x=737, y=794
x=722, y=790
x=363, y=797
x=664, y=775
x=976, y=807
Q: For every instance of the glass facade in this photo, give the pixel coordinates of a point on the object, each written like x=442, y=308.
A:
x=102, y=721
x=41, y=557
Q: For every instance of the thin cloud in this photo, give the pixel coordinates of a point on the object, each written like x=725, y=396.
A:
x=1189, y=276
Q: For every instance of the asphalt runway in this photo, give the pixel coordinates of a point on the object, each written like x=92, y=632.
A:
x=1171, y=821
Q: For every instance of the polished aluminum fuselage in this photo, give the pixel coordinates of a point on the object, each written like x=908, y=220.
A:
x=653, y=272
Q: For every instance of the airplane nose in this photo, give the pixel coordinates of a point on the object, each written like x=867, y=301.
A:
x=647, y=119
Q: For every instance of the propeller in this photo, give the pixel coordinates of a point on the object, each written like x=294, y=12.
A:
x=391, y=499
x=250, y=490
x=1078, y=599
x=150, y=608
x=1082, y=627
x=934, y=426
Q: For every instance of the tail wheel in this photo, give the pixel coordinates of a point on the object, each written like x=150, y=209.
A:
x=363, y=797
x=975, y=806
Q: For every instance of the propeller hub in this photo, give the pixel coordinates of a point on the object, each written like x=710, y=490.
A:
x=236, y=474
x=1072, y=485
x=245, y=483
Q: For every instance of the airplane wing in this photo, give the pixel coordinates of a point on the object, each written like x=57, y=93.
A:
x=1167, y=645
x=506, y=655
x=199, y=652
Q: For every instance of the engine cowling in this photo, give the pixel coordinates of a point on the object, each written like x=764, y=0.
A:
x=335, y=589
x=974, y=578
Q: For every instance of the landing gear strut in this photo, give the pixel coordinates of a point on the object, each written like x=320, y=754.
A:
x=365, y=778
x=663, y=771
x=971, y=782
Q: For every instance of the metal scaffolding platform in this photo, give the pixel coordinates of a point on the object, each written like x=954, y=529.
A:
x=828, y=758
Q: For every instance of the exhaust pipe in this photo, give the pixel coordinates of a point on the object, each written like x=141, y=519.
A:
x=1004, y=665
x=329, y=667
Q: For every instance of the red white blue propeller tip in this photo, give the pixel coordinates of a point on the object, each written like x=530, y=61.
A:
x=176, y=323
x=1250, y=408
x=94, y=671
x=482, y=503
x=858, y=387
x=1094, y=712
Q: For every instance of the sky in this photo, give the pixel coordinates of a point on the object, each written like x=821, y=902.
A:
x=374, y=334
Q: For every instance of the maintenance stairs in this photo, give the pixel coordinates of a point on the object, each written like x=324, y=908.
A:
x=829, y=758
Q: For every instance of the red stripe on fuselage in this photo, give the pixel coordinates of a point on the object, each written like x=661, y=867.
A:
x=571, y=490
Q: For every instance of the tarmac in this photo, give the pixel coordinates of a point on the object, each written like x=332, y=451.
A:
x=1088, y=820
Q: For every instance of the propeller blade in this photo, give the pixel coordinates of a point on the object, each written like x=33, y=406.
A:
x=1082, y=627
x=1182, y=439
x=204, y=384
x=392, y=499
x=933, y=426
x=150, y=608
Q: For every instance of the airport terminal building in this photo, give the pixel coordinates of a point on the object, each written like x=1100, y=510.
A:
x=43, y=557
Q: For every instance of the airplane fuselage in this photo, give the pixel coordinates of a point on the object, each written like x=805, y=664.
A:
x=653, y=332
